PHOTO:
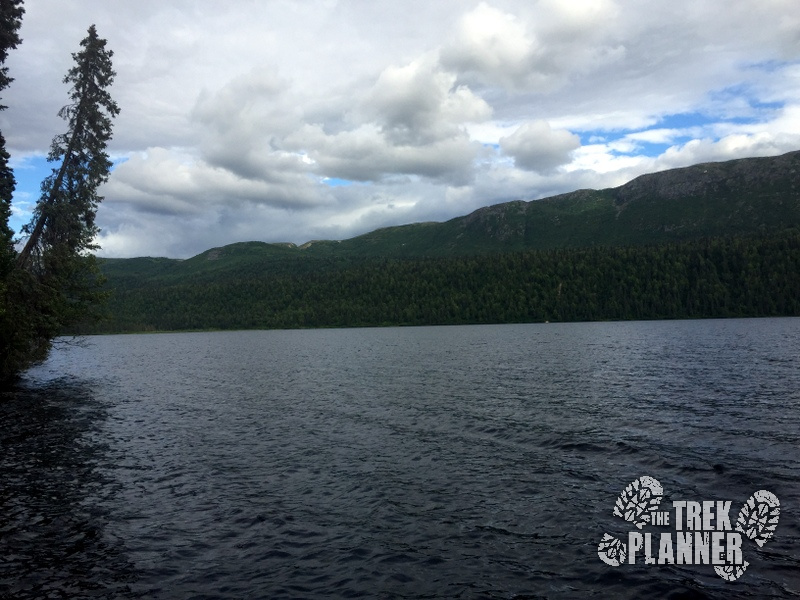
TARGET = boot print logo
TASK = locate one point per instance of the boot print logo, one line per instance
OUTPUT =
(703, 532)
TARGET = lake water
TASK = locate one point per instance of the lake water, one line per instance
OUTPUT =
(441, 462)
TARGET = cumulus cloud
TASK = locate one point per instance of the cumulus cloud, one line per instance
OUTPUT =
(497, 48)
(411, 121)
(367, 154)
(420, 103)
(535, 146)
(736, 145)
(242, 123)
(164, 181)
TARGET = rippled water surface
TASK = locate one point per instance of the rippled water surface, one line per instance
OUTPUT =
(442, 462)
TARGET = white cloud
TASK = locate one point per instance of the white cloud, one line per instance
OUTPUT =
(412, 121)
(420, 103)
(495, 47)
(732, 146)
(537, 147)
(538, 54)
(368, 154)
(171, 182)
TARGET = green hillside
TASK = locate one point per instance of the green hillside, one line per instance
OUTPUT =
(716, 239)
(713, 199)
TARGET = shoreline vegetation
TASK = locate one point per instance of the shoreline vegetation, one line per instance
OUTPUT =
(721, 277)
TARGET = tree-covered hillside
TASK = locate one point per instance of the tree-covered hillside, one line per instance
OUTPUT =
(712, 240)
(716, 277)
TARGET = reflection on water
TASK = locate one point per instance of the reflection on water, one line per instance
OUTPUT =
(52, 495)
(470, 462)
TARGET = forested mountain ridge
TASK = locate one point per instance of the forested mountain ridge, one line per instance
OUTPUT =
(715, 239)
(728, 198)
(737, 197)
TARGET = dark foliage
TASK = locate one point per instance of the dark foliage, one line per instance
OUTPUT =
(745, 276)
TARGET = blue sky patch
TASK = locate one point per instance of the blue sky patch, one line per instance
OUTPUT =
(29, 172)
(336, 182)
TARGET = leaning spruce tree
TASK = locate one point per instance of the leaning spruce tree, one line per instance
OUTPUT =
(64, 216)
(55, 282)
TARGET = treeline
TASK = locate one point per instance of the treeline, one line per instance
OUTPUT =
(721, 277)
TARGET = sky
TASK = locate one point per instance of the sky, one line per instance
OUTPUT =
(299, 120)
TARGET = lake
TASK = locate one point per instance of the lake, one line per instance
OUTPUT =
(431, 462)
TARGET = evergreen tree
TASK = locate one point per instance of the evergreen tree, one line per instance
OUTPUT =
(54, 281)
(64, 216)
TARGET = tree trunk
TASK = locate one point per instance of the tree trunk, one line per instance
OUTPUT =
(23, 259)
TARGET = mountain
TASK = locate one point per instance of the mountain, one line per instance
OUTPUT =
(752, 204)
(710, 199)
(734, 197)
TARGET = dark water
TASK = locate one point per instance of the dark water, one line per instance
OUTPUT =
(448, 462)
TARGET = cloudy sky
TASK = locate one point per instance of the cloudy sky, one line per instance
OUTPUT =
(294, 120)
